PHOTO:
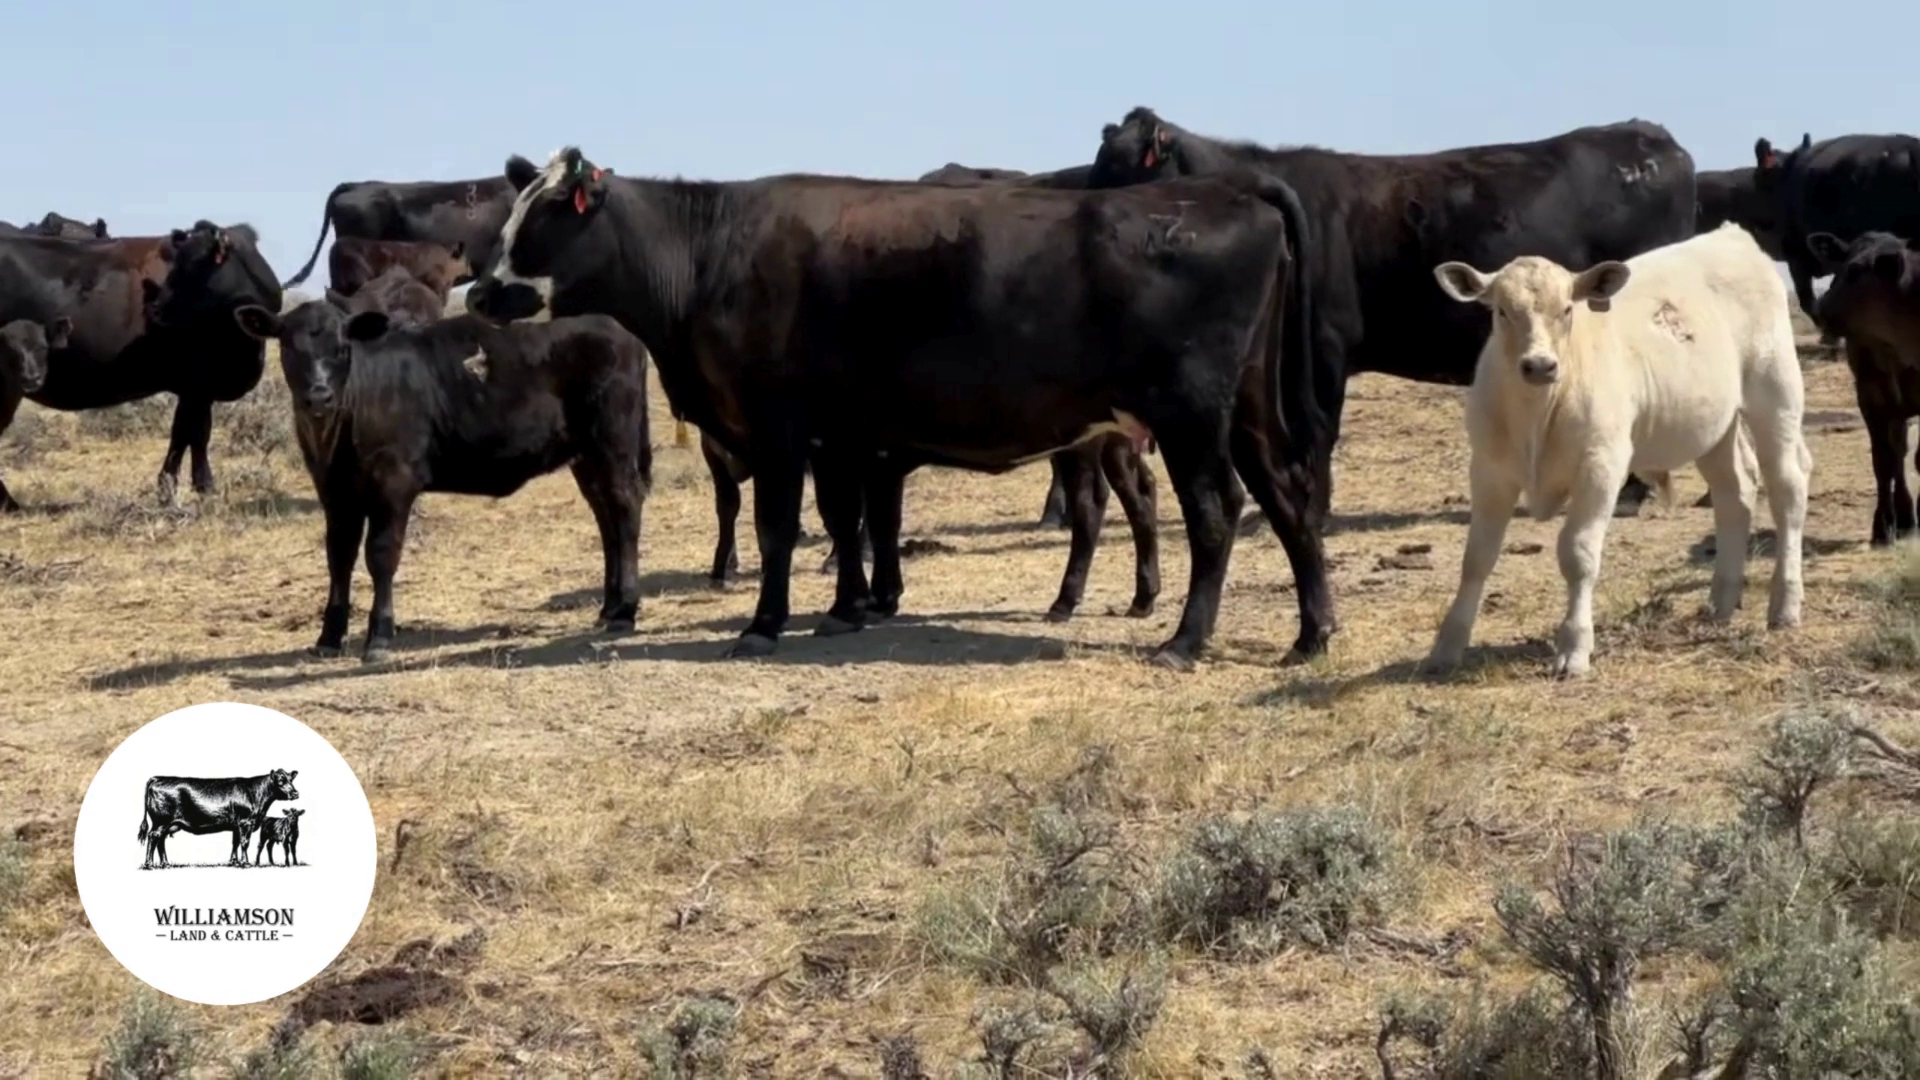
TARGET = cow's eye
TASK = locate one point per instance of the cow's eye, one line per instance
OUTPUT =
(1567, 314)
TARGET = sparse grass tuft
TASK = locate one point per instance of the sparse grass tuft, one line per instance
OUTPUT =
(1809, 748)
(259, 424)
(1893, 644)
(13, 873)
(1532, 1035)
(389, 1054)
(284, 1057)
(154, 1042)
(695, 1042)
(1251, 888)
(1113, 1010)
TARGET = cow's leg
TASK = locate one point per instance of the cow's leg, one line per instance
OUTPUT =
(1281, 490)
(1886, 443)
(1787, 464)
(265, 837)
(192, 428)
(1333, 399)
(837, 488)
(1210, 501)
(1582, 539)
(386, 536)
(779, 477)
(346, 523)
(726, 512)
(885, 492)
(1632, 495)
(1132, 481)
(1087, 512)
(1732, 524)
(1494, 496)
(1801, 269)
(1053, 514)
(613, 490)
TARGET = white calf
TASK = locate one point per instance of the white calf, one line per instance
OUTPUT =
(1639, 366)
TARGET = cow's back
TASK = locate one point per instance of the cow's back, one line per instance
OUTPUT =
(1695, 317)
(1854, 184)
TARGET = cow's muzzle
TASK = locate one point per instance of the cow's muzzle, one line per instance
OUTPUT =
(500, 302)
(1539, 370)
(32, 378)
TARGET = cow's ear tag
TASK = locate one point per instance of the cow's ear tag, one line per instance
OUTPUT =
(580, 199)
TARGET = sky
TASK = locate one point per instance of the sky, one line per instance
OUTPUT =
(156, 115)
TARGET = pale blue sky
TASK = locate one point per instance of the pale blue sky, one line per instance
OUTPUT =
(154, 114)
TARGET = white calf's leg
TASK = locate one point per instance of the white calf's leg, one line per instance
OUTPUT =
(1494, 496)
(1787, 465)
(1730, 481)
(1581, 540)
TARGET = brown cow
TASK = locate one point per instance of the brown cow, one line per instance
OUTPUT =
(354, 262)
(397, 293)
(1874, 303)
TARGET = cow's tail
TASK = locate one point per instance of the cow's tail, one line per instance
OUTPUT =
(326, 222)
(1295, 403)
(145, 820)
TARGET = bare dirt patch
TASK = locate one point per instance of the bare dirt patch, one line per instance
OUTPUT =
(674, 855)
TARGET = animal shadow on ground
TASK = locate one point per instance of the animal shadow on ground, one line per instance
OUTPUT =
(408, 639)
(1760, 545)
(652, 583)
(1323, 692)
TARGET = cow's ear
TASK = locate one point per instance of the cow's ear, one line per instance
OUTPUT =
(257, 321)
(1597, 284)
(1763, 153)
(521, 172)
(59, 331)
(1890, 265)
(367, 326)
(1462, 282)
(178, 236)
(1827, 249)
(100, 228)
(1108, 132)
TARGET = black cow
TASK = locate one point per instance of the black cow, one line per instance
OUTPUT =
(877, 326)
(1379, 224)
(24, 345)
(1725, 195)
(147, 315)
(1874, 303)
(353, 261)
(385, 412)
(464, 212)
(1845, 186)
(199, 806)
(59, 225)
(284, 831)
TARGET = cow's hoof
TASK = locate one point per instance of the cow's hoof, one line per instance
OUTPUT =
(1171, 660)
(749, 647)
(324, 651)
(168, 489)
(1059, 614)
(1140, 609)
(622, 624)
(883, 608)
(377, 653)
(834, 626)
(717, 584)
(8, 505)
(1570, 667)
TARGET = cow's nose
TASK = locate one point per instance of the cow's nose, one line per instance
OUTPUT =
(320, 397)
(1539, 369)
(32, 379)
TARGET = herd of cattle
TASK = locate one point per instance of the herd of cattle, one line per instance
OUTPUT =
(1616, 312)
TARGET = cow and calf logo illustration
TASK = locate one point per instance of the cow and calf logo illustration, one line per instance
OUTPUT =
(236, 804)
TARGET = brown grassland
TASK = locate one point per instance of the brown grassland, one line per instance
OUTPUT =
(634, 824)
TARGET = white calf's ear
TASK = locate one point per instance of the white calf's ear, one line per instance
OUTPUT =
(1597, 284)
(1462, 282)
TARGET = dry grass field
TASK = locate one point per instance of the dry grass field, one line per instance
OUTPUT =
(962, 829)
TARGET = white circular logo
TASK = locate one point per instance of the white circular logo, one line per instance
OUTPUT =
(225, 853)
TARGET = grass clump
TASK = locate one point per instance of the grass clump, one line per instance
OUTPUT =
(1893, 644)
(13, 873)
(384, 1055)
(1809, 749)
(1872, 867)
(153, 1042)
(1253, 887)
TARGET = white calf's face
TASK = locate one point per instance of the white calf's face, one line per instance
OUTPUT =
(1532, 301)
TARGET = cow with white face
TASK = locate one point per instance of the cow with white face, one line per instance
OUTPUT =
(1639, 366)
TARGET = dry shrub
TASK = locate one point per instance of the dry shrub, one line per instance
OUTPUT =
(1893, 643)
(387, 1054)
(1809, 748)
(1254, 887)
(695, 1042)
(153, 1042)
(1873, 869)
